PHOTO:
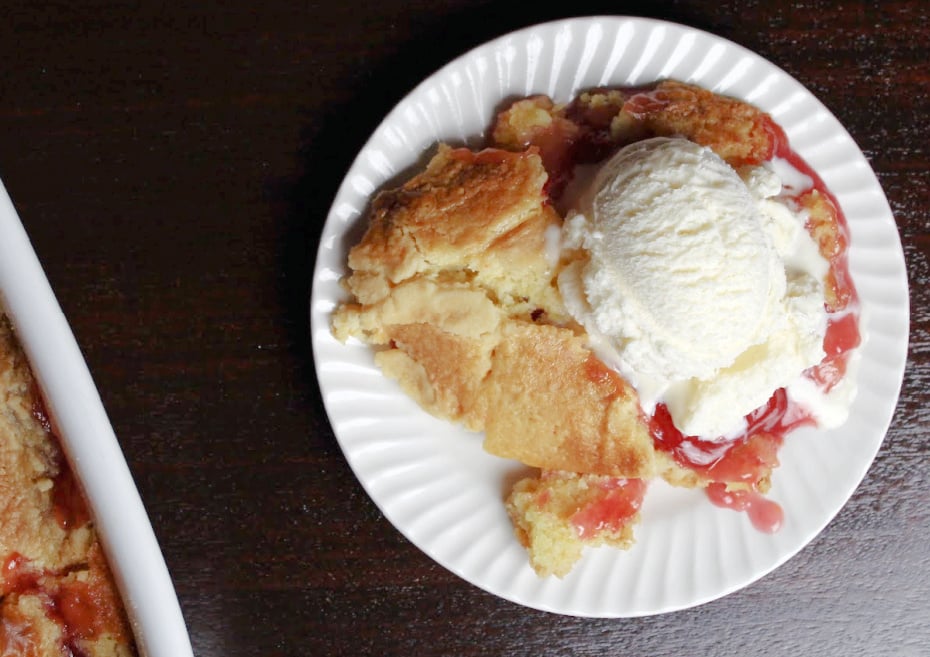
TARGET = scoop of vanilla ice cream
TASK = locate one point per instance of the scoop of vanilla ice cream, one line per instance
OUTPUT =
(694, 282)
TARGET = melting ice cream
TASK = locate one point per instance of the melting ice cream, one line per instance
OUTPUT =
(695, 281)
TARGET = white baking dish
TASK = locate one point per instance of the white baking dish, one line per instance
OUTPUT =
(90, 444)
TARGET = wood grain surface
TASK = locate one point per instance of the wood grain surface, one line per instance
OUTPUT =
(173, 164)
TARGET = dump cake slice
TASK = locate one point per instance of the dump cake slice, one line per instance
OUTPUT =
(456, 284)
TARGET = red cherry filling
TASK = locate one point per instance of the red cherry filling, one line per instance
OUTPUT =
(612, 509)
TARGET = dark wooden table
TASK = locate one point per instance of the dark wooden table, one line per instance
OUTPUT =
(174, 167)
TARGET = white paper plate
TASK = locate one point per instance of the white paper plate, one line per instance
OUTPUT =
(87, 438)
(433, 481)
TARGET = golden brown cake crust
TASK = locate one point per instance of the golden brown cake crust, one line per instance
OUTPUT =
(447, 218)
(738, 132)
(551, 404)
(471, 321)
(600, 120)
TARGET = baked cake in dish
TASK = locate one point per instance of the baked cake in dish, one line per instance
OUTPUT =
(57, 596)
(455, 285)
